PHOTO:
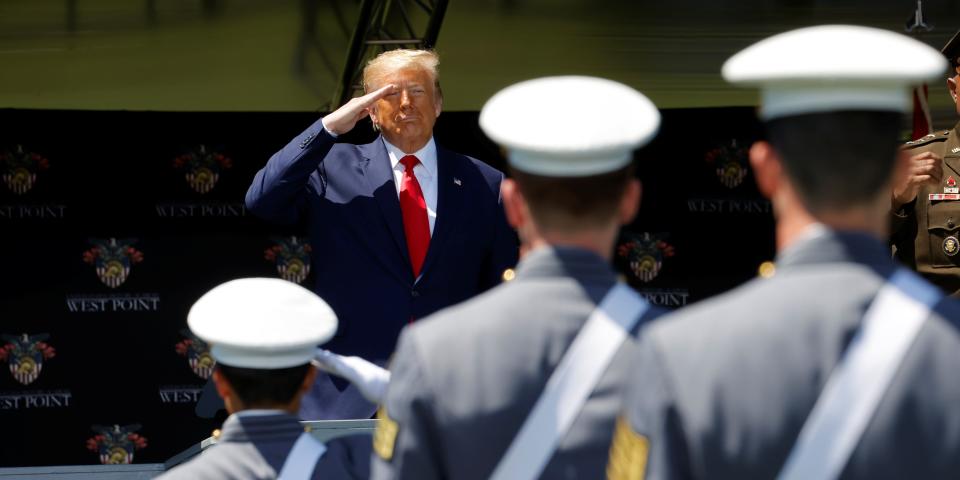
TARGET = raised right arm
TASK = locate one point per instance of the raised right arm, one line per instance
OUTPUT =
(278, 191)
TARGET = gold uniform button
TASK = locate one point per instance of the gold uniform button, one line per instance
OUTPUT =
(767, 270)
(509, 274)
(216, 434)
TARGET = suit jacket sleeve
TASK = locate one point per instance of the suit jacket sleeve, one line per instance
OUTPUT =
(280, 189)
(414, 444)
(505, 249)
(650, 429)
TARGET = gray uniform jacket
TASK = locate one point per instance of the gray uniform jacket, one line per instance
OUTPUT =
(721, 389)
(255, 447)
(465, 378)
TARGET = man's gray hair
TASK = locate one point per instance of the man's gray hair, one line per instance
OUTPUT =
(392, 61)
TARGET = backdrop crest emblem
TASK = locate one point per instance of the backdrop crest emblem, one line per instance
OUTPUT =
(198, 354)
(19, 169)
(113, 259)
(645, 253)
(202, 168)
(291, 257)
(730, 163)
(115, 445)
(25, 355)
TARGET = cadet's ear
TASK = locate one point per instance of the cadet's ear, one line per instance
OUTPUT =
(225, 390)
(220, 382)
(514, 205)
(952, 87)
(630, 202)
(767, 168)
(308, 379)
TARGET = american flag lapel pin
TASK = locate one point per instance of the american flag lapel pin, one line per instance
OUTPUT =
(457, 181)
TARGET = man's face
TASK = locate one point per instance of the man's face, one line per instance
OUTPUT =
(406, 116)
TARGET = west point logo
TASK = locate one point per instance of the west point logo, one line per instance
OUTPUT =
(644, 254)
(730, 163)
(19, 169)
(728, 206)
(671, 297)
(115, 445)
(35, 399)
(140, 302)
(32, 211)
(291, 257)
(112, 259)
(186, 210)
(198, 355)
(25, 355)
(180, 394)
(202, 168)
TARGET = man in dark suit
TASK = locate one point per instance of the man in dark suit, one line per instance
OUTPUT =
(399, 227)
(837, 363)
(263, 333)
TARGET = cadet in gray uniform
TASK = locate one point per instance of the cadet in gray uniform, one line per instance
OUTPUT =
(839, 364)
(263, 333)
(466, 380)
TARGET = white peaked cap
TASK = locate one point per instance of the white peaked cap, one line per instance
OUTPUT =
(569, 126)
(262, 323)
(834, 67)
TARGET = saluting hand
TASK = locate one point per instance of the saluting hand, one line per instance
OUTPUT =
(371, 379)
(346, 117)
(923, 168)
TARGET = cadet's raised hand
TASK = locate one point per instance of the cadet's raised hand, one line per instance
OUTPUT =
(926, 167)
(369, 378)
(343, 119)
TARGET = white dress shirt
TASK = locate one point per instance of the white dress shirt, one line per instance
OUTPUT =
(425, 171)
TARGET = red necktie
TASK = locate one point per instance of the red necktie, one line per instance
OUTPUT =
(414, 209)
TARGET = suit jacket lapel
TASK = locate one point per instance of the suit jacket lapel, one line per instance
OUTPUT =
(380, 181)
(449, 204)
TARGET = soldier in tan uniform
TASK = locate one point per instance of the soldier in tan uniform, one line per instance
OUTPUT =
(926, 204)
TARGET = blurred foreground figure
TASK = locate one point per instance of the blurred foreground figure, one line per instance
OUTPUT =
(263, 333)
(523, 381)
(839, 364)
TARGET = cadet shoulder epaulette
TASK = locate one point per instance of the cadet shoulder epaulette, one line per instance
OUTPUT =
(933, 137)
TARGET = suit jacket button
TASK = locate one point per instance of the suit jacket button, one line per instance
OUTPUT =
(414, 293)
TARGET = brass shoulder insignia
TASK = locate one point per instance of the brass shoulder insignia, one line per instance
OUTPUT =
(767, 270)
(927, 139)
(385, 437)
(628, 453)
